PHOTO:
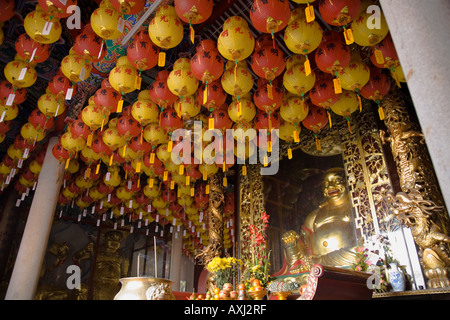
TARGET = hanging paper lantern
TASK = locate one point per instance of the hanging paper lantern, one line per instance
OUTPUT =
(40, 120)
(62, 86)
(237, 80)
(89, 46)
(194, 11)
(286, 131)
(6, 89)
(346, 105)
(222, 120)
(181, 80)
(268, 62)
(57, 7)
(207, 64)
(128, 127)
(75, 68)
(60, 153)
(159, 91)
(51, 105)
(128, 7)
(235, 42)
(123, 77)
(188, 107)
(113, 139)
(32, 134)
(316, 119)
(332, 54)
(142, 52)
(366, 34)
(79, 129)
(145, 112)
(7, 10)
(241, 111)
(339, 12)
(263, 121)
(94, 116)
(107, 22)
(5, 126)
(294, 110)
(154, 134)
(323, 94)
(166, 29)
(170, 121)
(107, 98)
(296, 81)
(8, 113)
(270, 16)
(384, 54)
(214, 97)
(302, 37)
(20, 74)
(268, 101)
(355, 75)
(28, 48)
(377, 88)
(42, 27)
(100, 147)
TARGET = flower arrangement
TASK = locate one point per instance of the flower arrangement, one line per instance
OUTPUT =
(258, 267)
(224, 269)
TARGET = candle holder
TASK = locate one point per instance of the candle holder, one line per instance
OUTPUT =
(145, 288)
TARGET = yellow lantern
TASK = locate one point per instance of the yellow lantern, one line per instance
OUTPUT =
(73, 167)
(397, 74)
(181, 81)
(208, 170)
(244, 131)
(123, 193)
(355, 76)
(145, 111)
(124, 77)
(107, 22)
(151, 191)
(346, 105)
(94, 117)
(302, 37)
(95, 194)
(286, 131)
(20, 74)
(166, 29)
(35, 167)
(242, 110)
(71, 143)
(14, 153)
(295, 59)
(237, 80)
(162, 153)
(366, 30)
(4, 169)
(235, 42)
(68, 194)
(90, 155)
(51, 105)
(42, 27)
(155, 135)
(296, 81)
(294, 110)
(30, 133)
(113, 139)
(2, 137)
(81, 204)
(8, 113)
(75, 68)
(112, 179)
(187, 107)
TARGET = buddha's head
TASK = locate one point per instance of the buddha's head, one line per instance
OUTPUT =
(334, 184)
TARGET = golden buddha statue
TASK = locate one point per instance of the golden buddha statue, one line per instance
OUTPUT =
(110, 266)
(329, 230)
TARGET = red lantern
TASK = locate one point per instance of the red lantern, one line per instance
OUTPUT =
(215, 95)
(60, 85)
(7, 8)
(107, 98)
(31, 50)
(40, 120)
(268, 62)
(194, 11)
(268, 102)
(90, 46)
(270, 16)
(386, 53)
(101, 148)
(323, 94)
(128, 127)
(159, 91)
(315, 121)
(168, 195)
(60, 153)
(21, 143)
(333, 54)
(79, 129)
(207, 63)
(229, 203)
(170, 120)
(142, 52)
(222, 120)
(378, 86)
(128, 7)
(6, 88)
(103, 188)
(339, 12)
(140, 146)
(201, 199)
(5, 126)
(266, 121)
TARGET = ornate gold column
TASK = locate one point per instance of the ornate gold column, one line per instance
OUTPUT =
(420, 205)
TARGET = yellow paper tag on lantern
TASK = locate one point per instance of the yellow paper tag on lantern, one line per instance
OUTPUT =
(348, 35)
(192, 33)
(265, 161)
(381, 112)
(97, 169)
(224, 167)
(310, 15)
(170, 146)
(207, 189)
(192, 191)
(211, 123)
(165, 175)
(318, 146)
(270, 91)
(111, 160)
(139, 183)
(181, 169)
(188, 180)
(119, 106)
(88, 172)
(296, 136)
(161, 59)
(269, 146)
(244, 170)
(337, 86)
(150, 183)
(89, 140)
(138, 167)
(67, 163)
(379, 56)
(137, 83)
(360, 103)
(205, 175)
(239, 108)
(205, 95)
(152, 157)
(225, 182)
(289, 153)
(307, 67)
(172, 185)
(124, 151)
(329, 119)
